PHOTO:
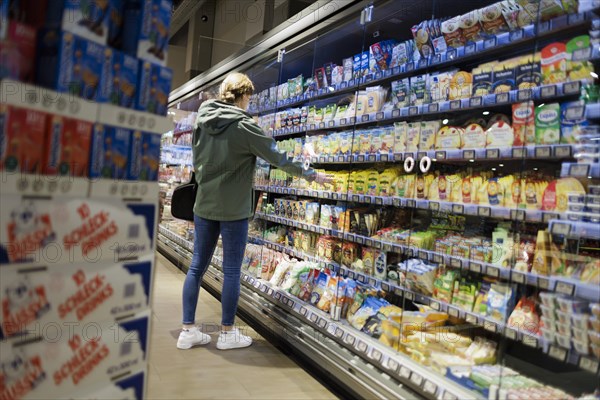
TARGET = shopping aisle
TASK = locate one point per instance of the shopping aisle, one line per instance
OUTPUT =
(258, 372)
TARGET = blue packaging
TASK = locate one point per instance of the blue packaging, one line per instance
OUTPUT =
(364, 63)
(68, 63)
(110, 152)
(120, 79)
(145, 156)
(153, 88)
(3, 19)
(573, 122)
(85, 18)
(146, 29)
(356, 72)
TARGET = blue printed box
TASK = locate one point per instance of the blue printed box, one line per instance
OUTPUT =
(120, 80)
(86, 18)
(146, 29)
(154, 88)
(110, 152)
(68, 63)
(145, 156)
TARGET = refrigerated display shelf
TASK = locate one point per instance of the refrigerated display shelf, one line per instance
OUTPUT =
(562, 285)
(546, 93)
(498, 45)
(585, 362)
(399, 365)
(496, 212)
(19, 94)
(576, 229)
(175, 238)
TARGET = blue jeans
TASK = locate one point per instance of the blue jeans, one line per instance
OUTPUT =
(234, 235)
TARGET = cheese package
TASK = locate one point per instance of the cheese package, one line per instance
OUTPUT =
(503, 79)
(482, 81)
(347, 64)
(387, 140)
(572, 122)
(453, 33)
(578, 70)
(557, 192)
(400, 93)
(439, 86)
(449, 137)
(547, 124)
(356, 71)
(400, 136)
(418, 90)
(554, 63)
(413, 136)
(362, 102)
(76, 229)
(471, 26)
(492, 19)
(500, 134)
(473, 137)
(529, 74)
(427, 136)
(375, 98)
(74, 357)
(461, 86)
(523, 116)
(75, 293)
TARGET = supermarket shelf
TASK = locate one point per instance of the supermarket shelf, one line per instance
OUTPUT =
(132, 119)
(576, 229)
(19, 94)
(592, 111)
(544, 93)
(48, 186)
(175, 238)
(585, 362)
(494, 46)
(557, 284)
(443, 206)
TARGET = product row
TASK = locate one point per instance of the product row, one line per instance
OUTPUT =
(39, 143)
(425, 335)
(506, 245)
(530, 125)
(534, 190)
(67, 52)
(556, 62)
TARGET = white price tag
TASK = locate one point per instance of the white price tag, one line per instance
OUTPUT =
(404, 372)
(430, 387)
(453, 312)
(416, 379)
(490, 326)
(392, 364)
(588, 364)
(565, 288)
(558, 353)
(435, 305)
(471, 319)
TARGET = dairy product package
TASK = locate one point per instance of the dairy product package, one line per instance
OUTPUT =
(72, 356)
(70, 230)
(33, 296)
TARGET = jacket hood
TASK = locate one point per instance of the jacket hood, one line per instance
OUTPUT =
(214, 116)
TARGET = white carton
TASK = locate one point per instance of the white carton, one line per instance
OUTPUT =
(68, 358)
(32, 297)
(68, 230)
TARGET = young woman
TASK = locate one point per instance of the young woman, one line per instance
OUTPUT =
(225, 146)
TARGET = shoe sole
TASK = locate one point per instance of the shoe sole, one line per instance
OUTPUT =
(187, 347)
(232, 347)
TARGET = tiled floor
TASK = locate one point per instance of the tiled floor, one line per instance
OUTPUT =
(258, 372)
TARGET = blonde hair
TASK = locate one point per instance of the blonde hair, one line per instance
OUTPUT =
(234, 86)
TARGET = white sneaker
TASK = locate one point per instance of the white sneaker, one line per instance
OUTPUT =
(233, 339)
(192, 337)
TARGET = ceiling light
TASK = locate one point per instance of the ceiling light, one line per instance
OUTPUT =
(486, 113)
(594, 75)
(445, 121)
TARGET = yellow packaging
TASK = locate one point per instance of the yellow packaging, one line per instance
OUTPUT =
(372, 183)
(360, 182)
(345, 143)
(448, 137)
(427, 136)
(386, 178)
(334, 144)
(555, 197)
(467, 194)
(413, 136)
(351, 182)
(341, 181)
(454, 187)
(365, 143)
(387, 140)
(400, 134)
(461, 86)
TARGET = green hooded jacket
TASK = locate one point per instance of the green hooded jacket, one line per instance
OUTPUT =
(225, 145)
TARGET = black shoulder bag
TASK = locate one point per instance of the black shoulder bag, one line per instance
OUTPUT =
(183, 199)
